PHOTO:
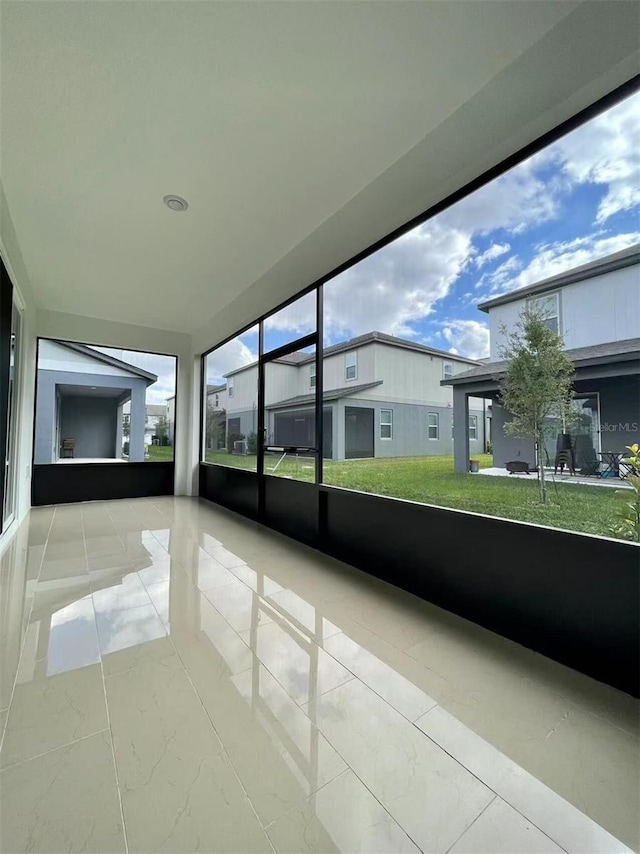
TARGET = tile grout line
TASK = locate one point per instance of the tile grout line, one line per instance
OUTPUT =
(222, 744)
(23, 638)
(106, 704)
(469, 826)
(503, 797)
(53, 749)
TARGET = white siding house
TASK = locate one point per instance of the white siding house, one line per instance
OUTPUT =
(596, 310)
(382, 397)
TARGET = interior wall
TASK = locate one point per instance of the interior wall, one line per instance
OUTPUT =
(25, 387)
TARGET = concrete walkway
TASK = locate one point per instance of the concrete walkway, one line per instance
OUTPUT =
(582, 480)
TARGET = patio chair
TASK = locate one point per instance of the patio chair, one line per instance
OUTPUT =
(67, 448)
(564, 458)
(590, 466)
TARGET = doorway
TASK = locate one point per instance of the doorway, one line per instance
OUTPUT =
(358, 432)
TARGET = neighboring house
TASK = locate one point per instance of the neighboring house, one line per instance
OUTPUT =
(382, 398)
(154, 413)
(81, 396)
(596, 310)
(170, 414)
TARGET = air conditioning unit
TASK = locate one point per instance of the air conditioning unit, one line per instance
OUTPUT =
(240, 447)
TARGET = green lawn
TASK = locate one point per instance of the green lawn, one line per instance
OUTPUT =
(431, 480)
(158, 453)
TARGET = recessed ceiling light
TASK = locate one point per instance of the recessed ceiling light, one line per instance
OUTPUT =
(176, 203)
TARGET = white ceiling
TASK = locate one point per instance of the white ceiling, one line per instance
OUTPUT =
(270, 118)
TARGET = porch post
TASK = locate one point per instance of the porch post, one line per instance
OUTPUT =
(119, 431)
(136, 427)
(460, 430)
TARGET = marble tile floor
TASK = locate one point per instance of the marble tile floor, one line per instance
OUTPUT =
(176, 679)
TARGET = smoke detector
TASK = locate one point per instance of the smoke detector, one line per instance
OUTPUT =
(176, 203)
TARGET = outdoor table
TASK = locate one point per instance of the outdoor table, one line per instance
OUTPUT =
(626, 468)
(611, 461)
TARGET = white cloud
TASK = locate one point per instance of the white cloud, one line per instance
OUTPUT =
(606, 152)
(397, 285)
(556, 258)
(467, 337)
(497, 278)
(164, 367)
(231, 356)
(490, 254)
(298, 318)
(515, 201)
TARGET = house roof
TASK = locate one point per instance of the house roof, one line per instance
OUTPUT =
(214, 389)
(108, 360)
(298, 358)
(625, 258)
(334, 394)
(614, 351)
(393, 341)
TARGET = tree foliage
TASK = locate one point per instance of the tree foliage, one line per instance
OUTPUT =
(536, 387)
(215, 426)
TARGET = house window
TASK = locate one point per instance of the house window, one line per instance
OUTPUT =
(312, 375)
(473, 426)
(548, 307)
(386, 423)
(433, 428)
(447, 370)
(351, 365)
(230, 386)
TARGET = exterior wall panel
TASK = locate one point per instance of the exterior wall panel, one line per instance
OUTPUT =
(334, 371)
(595, 311)
(410, 434)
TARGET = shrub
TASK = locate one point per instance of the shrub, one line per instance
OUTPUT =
(628, 527)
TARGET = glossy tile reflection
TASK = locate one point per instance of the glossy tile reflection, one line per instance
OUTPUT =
(175, 678)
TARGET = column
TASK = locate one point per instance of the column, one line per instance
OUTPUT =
(119, 432)
(460, 430)
(136, 429)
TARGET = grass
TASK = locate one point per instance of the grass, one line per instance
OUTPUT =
(431, 480)
(159, 454)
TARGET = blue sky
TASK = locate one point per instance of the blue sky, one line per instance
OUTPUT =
(576, 201)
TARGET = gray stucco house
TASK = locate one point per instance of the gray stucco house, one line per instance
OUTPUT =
(382, 398)
(596, 310)
(80, 396)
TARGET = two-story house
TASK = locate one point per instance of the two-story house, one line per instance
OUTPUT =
(596, 310)
(382, 397)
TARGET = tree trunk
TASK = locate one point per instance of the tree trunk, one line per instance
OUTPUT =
(541, 478)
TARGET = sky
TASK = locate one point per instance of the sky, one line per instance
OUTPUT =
(164, 367)
(575, 201)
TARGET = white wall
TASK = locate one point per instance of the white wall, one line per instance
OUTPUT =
(596, 311)
(334, 371)
(27, 367)
(57, 357)
(411, 377)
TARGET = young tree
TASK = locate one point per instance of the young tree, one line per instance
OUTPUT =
(537, 384)
(214, 427)
(162, 430)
